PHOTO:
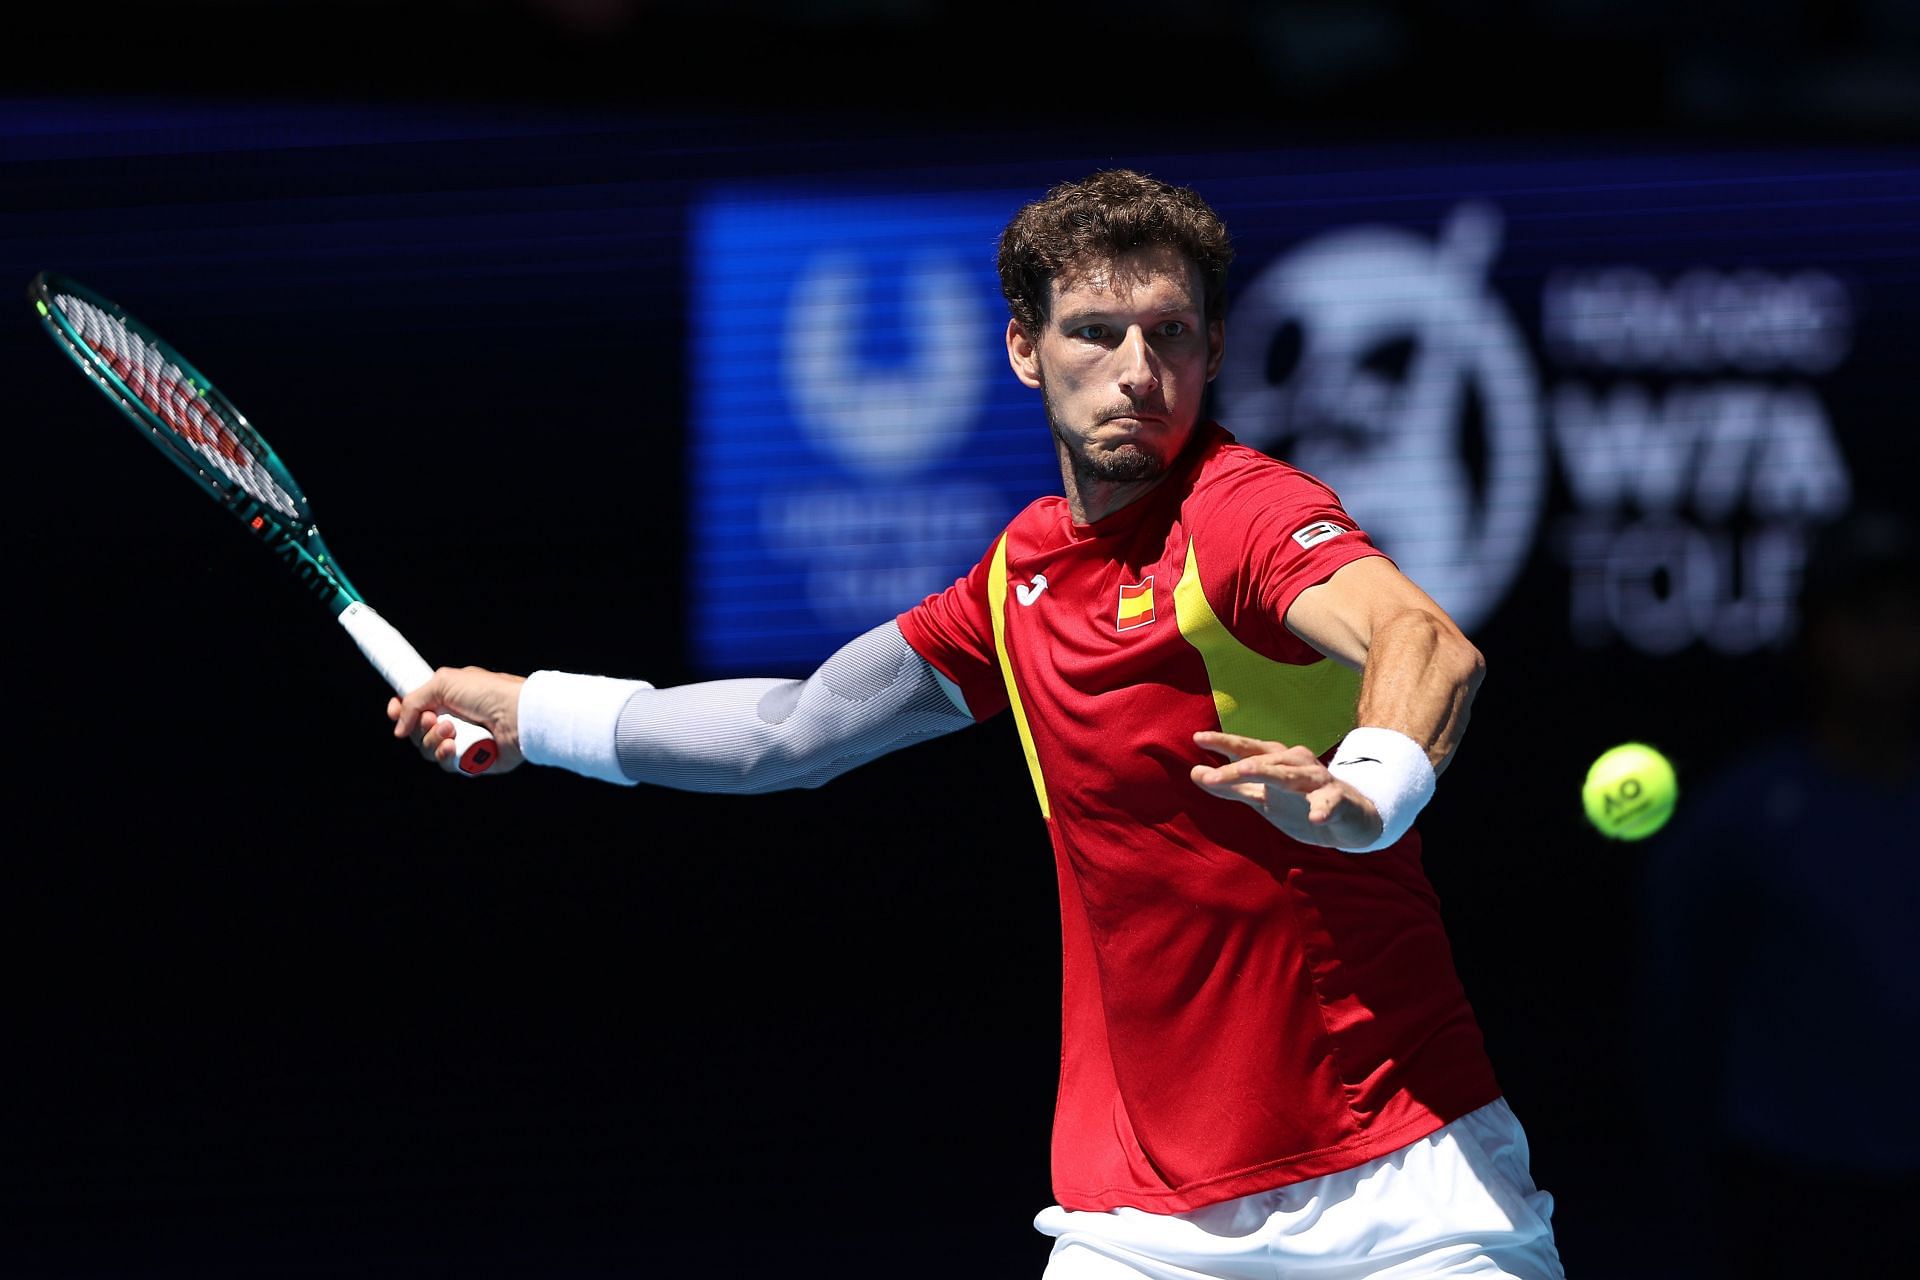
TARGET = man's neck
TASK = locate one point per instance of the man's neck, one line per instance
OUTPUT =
(1093, 500)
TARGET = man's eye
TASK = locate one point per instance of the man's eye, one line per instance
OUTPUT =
(1091, 332)
(1173, 328)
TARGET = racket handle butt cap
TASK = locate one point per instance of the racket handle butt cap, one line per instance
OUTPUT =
(474, 749)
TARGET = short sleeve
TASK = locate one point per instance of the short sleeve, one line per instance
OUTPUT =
(953, 630)
(1298, 544)
(1269, 534)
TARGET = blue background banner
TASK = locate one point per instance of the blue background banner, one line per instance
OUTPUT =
(856, 440)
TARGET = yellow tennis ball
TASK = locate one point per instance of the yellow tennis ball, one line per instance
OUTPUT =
(1630, 791)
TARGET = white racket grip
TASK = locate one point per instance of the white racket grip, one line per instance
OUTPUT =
(405, 670)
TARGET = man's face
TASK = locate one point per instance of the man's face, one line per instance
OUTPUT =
(1123, 362)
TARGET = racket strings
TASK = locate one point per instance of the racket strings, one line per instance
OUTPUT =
(169, 392)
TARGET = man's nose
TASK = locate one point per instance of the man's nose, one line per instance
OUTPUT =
(1137, 375)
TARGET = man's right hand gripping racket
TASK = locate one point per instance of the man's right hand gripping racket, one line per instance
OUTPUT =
(184, 415)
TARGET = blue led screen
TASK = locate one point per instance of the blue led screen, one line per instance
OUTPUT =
(1626, 388)
(857, 438)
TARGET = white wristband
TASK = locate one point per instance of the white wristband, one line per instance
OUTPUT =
(568, 720)
(1390, 769)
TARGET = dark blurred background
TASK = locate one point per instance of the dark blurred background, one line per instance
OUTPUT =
(283, 1001)
(1771, 66)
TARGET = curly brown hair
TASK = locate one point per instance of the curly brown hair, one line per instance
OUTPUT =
(1084, 224)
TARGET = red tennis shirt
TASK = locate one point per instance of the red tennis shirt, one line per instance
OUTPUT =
(1239, 1010)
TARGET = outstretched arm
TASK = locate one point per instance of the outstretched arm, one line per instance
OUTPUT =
(1419, 674)
(873, 696)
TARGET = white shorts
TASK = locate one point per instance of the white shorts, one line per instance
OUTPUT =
(1459, 1202)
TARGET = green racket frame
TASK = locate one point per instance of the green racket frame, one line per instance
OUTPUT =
(286, 528)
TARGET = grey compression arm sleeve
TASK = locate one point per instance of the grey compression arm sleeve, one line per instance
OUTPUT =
(873, 696)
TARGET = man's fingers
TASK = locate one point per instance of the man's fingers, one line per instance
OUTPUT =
(1322, 801)
(1236, 746)
(430, 731)
(416, 712)
(1290, 787)
(1253, 793)
(407, 711)
(1281, 806)
(1292, 775)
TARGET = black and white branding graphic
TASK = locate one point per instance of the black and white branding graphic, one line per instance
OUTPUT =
(1683, 409)
(1697, 451)
(1379, 360)
(1317, 532)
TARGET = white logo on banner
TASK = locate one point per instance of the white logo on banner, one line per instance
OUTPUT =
(1697, 458)
(885, 537)
(1380, 362)
(884, 418)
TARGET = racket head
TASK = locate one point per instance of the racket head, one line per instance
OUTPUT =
(176, 406)
(196, 427)
(183, 414)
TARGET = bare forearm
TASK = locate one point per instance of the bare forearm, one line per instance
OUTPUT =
(1419, 679)
(1418, 675)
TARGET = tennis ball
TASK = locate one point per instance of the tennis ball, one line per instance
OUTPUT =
(1630, 791)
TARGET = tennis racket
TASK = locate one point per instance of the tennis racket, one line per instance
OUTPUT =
(198, 429)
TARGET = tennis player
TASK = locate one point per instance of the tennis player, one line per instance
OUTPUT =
(1233, 706)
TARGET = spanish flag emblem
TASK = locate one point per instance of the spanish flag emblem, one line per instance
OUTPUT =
(1136, 605)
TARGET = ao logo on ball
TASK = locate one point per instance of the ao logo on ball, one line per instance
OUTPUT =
(1630, 791)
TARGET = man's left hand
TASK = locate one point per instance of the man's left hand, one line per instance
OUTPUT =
(1291, 787)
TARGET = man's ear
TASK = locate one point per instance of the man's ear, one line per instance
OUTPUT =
(1023, 355)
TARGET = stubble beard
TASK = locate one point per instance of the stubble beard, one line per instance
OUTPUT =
(1127, 464)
